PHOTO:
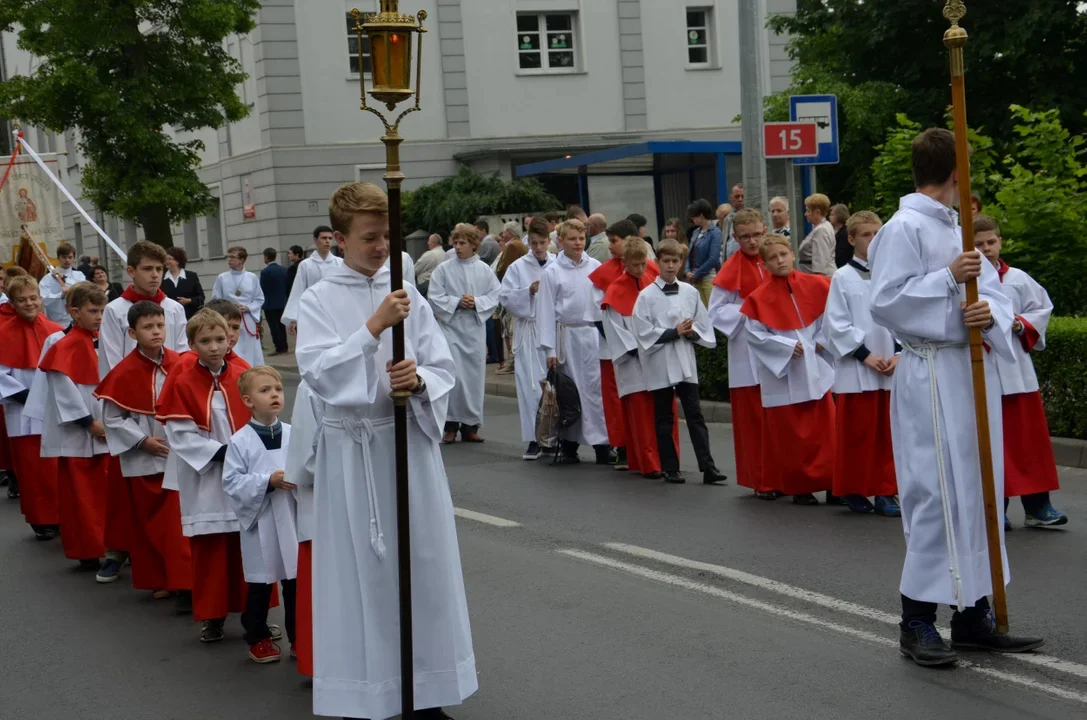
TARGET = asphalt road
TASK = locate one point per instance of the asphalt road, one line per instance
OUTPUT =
(593, 594)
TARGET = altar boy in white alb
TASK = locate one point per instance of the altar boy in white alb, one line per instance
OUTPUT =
(520, 287)
(464, 293)
(242, 288)
(918, 269)
(264, 501)
(310, 272)
(345, 356)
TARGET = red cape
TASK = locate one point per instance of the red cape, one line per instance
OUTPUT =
(623, 292)
(187, 394)
(772, 305)
(21, 343)
(613, 269)
(74, 355)
(134, 297)
(130, 385)
(742, 273)
(189, 358)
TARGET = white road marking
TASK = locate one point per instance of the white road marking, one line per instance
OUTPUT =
(481, 517)
(684, 583)
(826, 601)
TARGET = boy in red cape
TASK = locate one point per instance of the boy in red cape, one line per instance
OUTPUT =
(160, 552)
(146, 264)
(202, 408)
(73, 430)
(7, 469)
(784, 325)
(622, 342)
(602, 278)
(24, 328)
(740, 276)
(1030, 471)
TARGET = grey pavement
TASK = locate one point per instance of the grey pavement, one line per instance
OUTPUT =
(611, 597)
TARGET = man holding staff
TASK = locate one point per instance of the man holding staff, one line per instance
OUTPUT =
(918, 272)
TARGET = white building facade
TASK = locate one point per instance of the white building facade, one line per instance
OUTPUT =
(504, 83)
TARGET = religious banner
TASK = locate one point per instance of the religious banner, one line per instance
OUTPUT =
(28, 197)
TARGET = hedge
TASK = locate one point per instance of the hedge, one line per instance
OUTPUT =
(1061, 367)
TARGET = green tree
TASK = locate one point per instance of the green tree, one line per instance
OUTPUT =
(122, 73)
(438, 207)
(888, 56)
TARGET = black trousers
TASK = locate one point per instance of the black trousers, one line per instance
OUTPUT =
(460, 427)
(926, 612)
(696, 426)
(277, 328)
(494, 342)
(255, 617)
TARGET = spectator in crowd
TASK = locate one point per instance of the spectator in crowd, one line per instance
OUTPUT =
(975, 205)
(429, 260)
(100, 277)
(488, 248)
(85, 266)
(598, 238)
(273, 282)
(779, 216)
(843, 251)
(513, 251)
(736, 197)
(816, 251)
(573, 212)
(705, 256)
(525, 222)
(295, 253)
(181, 286)
(510, 231)
(674, 230)
(729, 245)
(641, 222)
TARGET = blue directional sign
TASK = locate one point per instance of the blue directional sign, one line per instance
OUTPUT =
(823, 111)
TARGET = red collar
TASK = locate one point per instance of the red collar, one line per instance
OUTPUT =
(742, 273)
(74, 355)
(612, 270)
(187, 394)
(130, 385)
(22, 341)
(1002, 269)
(772, 302)
(134, 297)
(622, 294)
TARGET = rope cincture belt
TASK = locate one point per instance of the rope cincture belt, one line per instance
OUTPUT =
(927, 352)
(361, 431)
(560, 338)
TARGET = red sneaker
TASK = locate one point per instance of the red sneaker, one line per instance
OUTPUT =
(265, 651)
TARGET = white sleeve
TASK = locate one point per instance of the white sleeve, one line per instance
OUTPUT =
(9, 384)
(1037, 308)
(703, 328)
(248, 492)
(290, 314)
(621, 339)
(545, 315)
(218, 291)
(257, 302)
(514, 294)
(189, 445)
(434, 365)
(49, 288)
(772, 350)
(725, 312)
(123, 433)
(69, 400)
(111, 349)
(488, 300)
(842, 337)
(343, 373)
(442, 299)
(301, 454)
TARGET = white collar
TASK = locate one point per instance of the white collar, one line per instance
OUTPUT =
(180, 274)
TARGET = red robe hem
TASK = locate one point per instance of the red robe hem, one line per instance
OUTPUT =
(161, 559)
(82, 491)
(864, 459)
(120, 522)
(218, 580)
(613, 406)
(797, 452)
(642, 451)
(303, 610)
(747, 436)
(1029, 466)
(37, 480)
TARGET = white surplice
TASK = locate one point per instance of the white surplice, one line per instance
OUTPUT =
(355, 600)
(530, 364)
(1030, 302)
(243, 288)
(783, 379)
(310, 272)
(915, 296)
(623, 349)
(301, 457)
(848, 324)
(465, 330)
(567, 310)
(671, 363)
(66, 402)
(12, 382)
(53, 301)
(125, 430)
(205, 507)
(724, 312)
(34, 409)
(114, 343)
(269, 540)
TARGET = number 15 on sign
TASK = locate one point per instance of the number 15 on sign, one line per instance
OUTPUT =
(789, 140)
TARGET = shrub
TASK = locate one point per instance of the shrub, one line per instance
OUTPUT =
(1062, 377)
(713, 370)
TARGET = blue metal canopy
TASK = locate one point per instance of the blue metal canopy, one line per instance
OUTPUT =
(652, 147)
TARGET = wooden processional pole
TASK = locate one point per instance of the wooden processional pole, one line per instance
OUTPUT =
(955, 38)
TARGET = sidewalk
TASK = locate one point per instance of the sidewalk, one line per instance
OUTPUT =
(1067, 452)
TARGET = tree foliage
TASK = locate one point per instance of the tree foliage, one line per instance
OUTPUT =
(122, 73)
(438, 207)
(882, 57)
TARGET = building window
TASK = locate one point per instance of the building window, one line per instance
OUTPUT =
(357, 57)
(699, 50)
(546, 42)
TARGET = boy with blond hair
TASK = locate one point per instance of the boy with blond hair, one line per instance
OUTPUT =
(865, 356)
(345, 357)
(264, 502)
(1030, 471)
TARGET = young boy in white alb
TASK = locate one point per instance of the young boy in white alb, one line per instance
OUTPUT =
(1030, 471)
(264, 501)
(242, 288)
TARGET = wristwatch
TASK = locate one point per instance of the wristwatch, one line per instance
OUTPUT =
(421, 387)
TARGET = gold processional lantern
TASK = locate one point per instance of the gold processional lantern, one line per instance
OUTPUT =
(390, 35)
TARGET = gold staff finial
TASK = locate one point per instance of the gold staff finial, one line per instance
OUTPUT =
(954, 36)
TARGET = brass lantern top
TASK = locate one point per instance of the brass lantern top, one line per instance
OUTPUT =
(390, 34)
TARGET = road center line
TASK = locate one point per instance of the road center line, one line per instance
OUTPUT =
(483, 518)
(826, 601)
(684, 583)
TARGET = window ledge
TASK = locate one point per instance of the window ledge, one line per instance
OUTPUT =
(548, 73)
(354, 77)
(698, 68)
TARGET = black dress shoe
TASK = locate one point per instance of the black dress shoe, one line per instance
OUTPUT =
(653, 475)
(713, 475)
(432, 714)
(605, 455)
(805, 499)
(13, 488)
(981, 634)
(922, 644)
(675, 478)
(833, 499)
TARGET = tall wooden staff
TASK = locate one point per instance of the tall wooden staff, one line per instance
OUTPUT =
(955, 38)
